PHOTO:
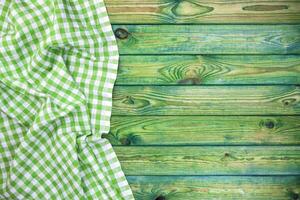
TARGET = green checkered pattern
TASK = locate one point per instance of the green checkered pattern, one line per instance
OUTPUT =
(58, 65)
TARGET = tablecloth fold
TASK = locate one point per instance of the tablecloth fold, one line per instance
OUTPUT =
(58, 65)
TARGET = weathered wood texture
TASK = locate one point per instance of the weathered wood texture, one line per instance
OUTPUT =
(208, 39)
(212, 187)
(212, 110)
(203, 11)
(204, 130)
(209, 69)
(206, 100)
(209, 160)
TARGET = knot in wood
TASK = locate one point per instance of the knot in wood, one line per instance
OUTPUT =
(226, 154)
(121, 33)
(160, 197)
(269, 124)
(129, 100)
(295, 196)
(289, 101)
(192, 81)
(125, 141)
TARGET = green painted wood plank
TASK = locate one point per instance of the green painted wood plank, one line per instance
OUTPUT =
(209, 160)
(208, 39)
(203, 11)
(204, 130)
(215, 187)
(209, 69)
(206, 100)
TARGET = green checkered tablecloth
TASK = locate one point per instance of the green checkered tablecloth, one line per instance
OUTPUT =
(58, 65)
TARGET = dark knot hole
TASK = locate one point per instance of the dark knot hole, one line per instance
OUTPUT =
(226, 154)
(270, 124)
(121, 33)
(295, 196)
(160, 197)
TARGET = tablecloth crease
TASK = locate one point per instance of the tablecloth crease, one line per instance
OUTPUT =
(58, 65)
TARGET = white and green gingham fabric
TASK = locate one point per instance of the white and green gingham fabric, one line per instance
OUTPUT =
(58, 65)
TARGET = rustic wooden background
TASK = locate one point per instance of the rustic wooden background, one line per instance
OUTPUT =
(207, 102)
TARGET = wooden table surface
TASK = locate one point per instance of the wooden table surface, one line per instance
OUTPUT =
(207, 102)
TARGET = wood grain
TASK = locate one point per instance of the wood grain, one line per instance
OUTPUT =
(208, 39)
(209, 160)
(206, 100)
(204, 130)
(203, 11)
(209, 69)
(178, 104)
(215, 187)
